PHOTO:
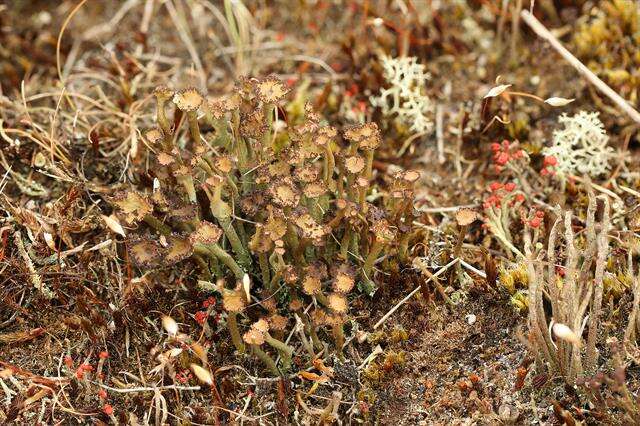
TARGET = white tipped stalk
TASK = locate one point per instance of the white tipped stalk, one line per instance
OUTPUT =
(565, 333)
(497, 91)
(173, 352)
(246, 285)
(170, 325)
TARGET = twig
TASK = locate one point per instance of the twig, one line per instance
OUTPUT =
(445, 209)
(59, 41)
(99, 30)
(544, 33)
(313, 60)
(407, 143)
(473, 269)
(184, 35)
(629, 190)
(376, 351)
(410, 295)
(147, 389)
(514, 29)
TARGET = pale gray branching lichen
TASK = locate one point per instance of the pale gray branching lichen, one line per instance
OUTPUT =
(580, 147)
(405, 97)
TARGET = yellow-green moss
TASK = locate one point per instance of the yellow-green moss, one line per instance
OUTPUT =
(514, 278)
(615, 285)
(397, 335)
(378, 370)
(607, 40)
(520, 301)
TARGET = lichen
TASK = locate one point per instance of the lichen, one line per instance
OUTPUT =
(580, 146)
(405, 97)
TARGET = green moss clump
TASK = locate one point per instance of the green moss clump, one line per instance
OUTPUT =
(398, 335)
(393, 361)
(395, 336)
(616, 284)
(514, 278)
(607, 40)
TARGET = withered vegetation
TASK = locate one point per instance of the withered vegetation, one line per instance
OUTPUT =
(321, 212)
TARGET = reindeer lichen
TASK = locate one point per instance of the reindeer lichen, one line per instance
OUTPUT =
(580, 146)
(405, 96)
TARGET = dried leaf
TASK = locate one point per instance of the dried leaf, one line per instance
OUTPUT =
(21, 336)
(307, 375)
(246, 285)
(37, 397)
(318, 363)
(113, 224)
(521, 375)
(173, 352)
(48, 238)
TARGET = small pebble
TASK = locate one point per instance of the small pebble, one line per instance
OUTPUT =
(471, 319)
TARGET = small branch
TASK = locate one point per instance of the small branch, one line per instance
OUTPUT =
(148, 389)
(473, 269)
(525, 95)
(446, 209)
(544, 33)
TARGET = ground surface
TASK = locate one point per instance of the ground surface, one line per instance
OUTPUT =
(463, 362)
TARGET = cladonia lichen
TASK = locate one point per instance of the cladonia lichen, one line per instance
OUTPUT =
(405, 96)
(580, 147)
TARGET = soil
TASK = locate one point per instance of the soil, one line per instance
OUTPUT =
(454, 354)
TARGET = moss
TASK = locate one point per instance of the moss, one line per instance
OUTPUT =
(519, 127)
(367, 395)
(373, 373)
(393, 361)
(398, 335)
(615, 285)
(514, 278)
(607, 40)
(395, 336)
(377, 337)
(520, 301)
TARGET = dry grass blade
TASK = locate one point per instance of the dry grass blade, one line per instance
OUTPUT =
(543, 32)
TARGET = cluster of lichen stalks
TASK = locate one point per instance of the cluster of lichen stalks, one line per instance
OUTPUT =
(245, 194)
